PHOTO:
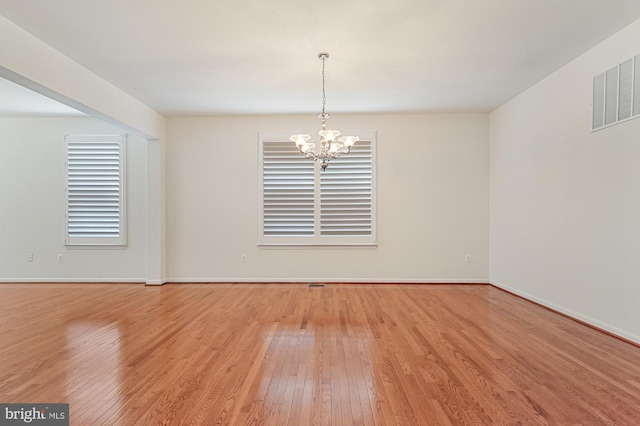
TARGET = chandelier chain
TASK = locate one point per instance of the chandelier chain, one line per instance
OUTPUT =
(324, 96)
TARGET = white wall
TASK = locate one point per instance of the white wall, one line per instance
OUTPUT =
(30, 62)
(432, 201)
(32, 176)
(565, 202)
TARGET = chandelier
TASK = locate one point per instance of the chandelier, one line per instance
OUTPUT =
(330, 145)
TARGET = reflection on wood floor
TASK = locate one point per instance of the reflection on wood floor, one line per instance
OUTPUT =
(278, 354)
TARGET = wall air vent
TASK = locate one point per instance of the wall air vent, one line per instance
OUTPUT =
(616, 94)
(625, 89)
(636, 87)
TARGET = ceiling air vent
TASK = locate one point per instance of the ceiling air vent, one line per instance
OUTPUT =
(616, 94)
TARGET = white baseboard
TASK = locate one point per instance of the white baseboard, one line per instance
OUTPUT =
(250, 280)
(595, 323)
(72, 280)
(331, 280)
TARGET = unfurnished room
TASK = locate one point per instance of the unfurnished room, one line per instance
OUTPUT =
(277, 212)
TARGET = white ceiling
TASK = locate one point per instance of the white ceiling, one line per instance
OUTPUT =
(201, 57)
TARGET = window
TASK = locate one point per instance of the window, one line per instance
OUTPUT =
(301, 205)
(95, 190)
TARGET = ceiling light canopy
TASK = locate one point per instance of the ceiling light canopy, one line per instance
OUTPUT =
(331, 146)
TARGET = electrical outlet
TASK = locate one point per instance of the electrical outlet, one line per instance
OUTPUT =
(467, 258)
(30, 257)
(243, 257)
(59, 258)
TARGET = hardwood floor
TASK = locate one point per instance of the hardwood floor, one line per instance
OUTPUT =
(278, 354)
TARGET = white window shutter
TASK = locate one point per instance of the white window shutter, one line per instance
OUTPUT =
(288, 191)
(95, 191)
(346, 194)
(301, 205)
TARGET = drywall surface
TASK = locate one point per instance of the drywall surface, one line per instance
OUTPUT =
(32, 63)
(565, 201)
(432, 201)
(32, 217)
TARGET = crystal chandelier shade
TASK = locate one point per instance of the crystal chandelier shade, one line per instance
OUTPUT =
(331, 145)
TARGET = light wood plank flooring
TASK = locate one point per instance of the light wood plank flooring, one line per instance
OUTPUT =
(286, 354)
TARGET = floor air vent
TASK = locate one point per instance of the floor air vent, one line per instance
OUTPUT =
(316, 285)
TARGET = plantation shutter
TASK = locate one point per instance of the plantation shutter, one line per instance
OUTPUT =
(302, 205)
(95, 190)
(346, 194)
(288, 191)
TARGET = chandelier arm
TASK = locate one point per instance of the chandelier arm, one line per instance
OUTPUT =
(309, 154)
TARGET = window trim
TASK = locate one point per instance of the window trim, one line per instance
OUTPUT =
(99, 242)
(316, 240)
